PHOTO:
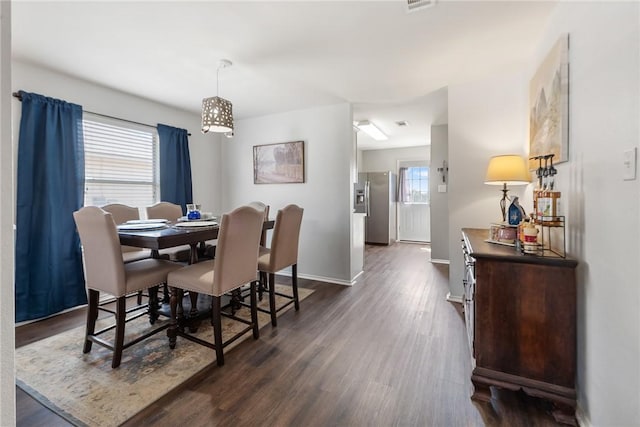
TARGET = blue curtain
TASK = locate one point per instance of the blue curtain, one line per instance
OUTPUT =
(48, 265)
(175, 166)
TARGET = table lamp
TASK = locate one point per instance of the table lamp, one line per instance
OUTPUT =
(506, 170)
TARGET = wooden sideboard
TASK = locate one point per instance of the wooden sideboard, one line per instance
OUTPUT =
(520, 312)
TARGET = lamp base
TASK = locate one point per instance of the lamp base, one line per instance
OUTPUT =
(503, 202)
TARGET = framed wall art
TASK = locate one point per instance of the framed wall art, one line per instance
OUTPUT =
(549, 106)
(278, 163)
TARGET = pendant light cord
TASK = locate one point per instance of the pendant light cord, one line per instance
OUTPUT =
(218, 81)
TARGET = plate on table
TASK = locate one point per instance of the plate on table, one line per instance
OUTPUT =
(185, 219)
(148, 221)
(141, 226)
(189, 224)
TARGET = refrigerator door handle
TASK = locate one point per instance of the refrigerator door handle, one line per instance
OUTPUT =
(366, 198)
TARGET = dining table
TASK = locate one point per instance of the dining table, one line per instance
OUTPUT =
(161, 235)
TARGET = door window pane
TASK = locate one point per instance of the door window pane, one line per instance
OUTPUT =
(418, 184)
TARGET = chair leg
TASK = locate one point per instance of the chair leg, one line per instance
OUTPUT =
(165, 298)
(294, 285)
(92, 316)
(216, 321)
(254, 310)
(272, 298)
(139, 298)
(172, 332)
(121, 314)
(262, 286)
(153, 304)
(236, 299)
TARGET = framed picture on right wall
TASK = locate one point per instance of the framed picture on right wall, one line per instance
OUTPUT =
(549, 105)
(278, 163)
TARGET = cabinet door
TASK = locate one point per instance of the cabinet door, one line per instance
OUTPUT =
(469, 305)
(469, 283)
(525, 320)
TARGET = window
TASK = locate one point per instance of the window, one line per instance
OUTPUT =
(121, 163)
(414, 182)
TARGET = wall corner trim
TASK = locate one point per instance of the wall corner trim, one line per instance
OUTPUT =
(454, 298)
(582, 417)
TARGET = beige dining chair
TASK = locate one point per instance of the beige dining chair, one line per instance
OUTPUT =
(171, 212)
(235, 265)
(210, 248)
(264, 208)
(105, 271)
(121, 214)
(282, 254)
(242, 293)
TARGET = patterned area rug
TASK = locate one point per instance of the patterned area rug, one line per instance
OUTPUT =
(84, 389)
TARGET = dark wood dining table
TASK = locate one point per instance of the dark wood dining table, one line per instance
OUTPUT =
(171, 236)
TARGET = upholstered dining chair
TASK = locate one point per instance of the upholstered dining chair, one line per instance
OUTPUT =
(165, 210)
(211, 244)
(171, 212)
(235, 265)
(263, 242)
(282, 254)
(121, 214)
(105, 271)
(265, 208)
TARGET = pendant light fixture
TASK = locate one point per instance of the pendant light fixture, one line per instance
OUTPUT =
(217, 115)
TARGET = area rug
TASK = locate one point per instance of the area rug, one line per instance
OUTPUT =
(83, 389)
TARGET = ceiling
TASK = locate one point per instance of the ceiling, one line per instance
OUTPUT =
(390, 64)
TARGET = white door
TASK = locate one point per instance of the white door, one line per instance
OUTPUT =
(414, 213)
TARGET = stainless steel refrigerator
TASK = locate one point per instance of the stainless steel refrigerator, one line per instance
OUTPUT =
(375, 196)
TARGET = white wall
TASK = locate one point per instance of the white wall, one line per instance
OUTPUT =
(387, 160)
(439, 201)
(327, 132)
(7, 312)
(603, 210)
(603, 214)
(204, 149)
(486, 118)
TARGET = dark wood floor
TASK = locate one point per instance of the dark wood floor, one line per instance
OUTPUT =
(388, 351)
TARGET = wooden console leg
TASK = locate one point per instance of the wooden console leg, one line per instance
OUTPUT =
(564, 414)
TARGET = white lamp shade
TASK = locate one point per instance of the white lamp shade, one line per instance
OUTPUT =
(508, 169)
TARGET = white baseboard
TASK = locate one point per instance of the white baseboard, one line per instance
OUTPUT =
(583, 419)
(26, 322)
(454, 298)
(415, 242)
(317, 278)
(353, 281)
(440, 261)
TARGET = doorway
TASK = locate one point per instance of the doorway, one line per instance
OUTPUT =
(414, 212)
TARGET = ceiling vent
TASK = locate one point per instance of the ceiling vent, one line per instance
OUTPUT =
(402, 123)
(413, 5)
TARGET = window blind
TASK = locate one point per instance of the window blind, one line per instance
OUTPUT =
(121, 162)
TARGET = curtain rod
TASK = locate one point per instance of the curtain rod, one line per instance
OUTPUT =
(17, 95)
